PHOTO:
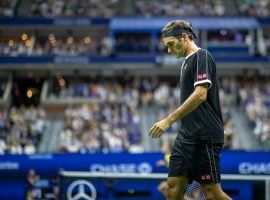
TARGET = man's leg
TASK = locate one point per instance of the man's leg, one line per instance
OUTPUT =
(176, 187)
(214, 191)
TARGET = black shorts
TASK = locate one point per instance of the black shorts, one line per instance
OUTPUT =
(196, 161)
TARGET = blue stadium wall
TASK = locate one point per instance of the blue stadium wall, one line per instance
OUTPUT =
(14, 170)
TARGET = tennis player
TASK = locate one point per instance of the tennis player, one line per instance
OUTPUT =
(197, 147)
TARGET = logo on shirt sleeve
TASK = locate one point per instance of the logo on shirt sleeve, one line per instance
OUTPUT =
(202, 76)
(206, 177)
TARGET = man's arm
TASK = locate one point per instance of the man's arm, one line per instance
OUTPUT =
(193, 101)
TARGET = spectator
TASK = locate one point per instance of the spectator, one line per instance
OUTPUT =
(3, 147)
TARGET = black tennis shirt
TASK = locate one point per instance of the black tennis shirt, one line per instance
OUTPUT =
(206, 120)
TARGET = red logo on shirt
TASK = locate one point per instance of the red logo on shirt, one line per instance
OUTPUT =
(206, 177)
(202, 76)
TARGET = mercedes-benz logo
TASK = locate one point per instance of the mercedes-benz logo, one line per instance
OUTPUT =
(77, 190)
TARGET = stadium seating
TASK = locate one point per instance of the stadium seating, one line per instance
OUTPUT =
(22, 130)
(82, 81)
(107, 9)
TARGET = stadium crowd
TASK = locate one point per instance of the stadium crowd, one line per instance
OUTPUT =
(254, 8)
(255, 100)
(180, 8)
(111, 8)
(228, 97)
(72, 45)
(67, 46)
(111, 123)
(26, 44)
(22, 129)
(7, 8)
(103, 128)
(52, 45)
(74, 8)
(161, 95)
(87, 128)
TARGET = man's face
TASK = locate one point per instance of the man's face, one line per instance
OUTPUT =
(176, 46)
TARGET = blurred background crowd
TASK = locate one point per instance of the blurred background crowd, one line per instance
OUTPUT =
(111, 123)
(83, 77)
(112, 8)
(115, 111)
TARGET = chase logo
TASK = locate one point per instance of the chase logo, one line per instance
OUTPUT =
(142, 168)
(254, 168)
(7, 165)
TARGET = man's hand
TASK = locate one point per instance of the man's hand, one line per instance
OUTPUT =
(160, 127)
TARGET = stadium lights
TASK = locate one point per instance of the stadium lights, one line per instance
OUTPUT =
(29, 93)
(24, 36)
(28, 43)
